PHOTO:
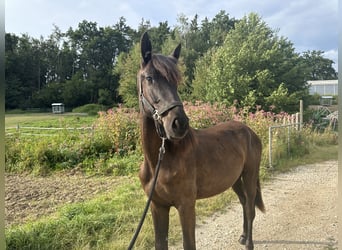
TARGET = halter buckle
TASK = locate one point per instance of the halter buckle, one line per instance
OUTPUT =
(156, 116)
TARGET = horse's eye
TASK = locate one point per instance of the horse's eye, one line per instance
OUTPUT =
(149, 78)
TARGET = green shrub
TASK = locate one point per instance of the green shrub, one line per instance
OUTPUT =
(15, 111)
(90, 109)
(120, 127)
(116, 136)
(203, 115)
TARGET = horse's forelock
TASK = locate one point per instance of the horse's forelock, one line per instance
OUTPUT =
(167, 67)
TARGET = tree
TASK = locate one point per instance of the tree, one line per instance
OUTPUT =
(172, 41)
(318, 67)
(77, 91)
(127, 68)
(157, 34)
(250, 65)
(97, 51)
(24, 70)
(197, 39)
(220, 25)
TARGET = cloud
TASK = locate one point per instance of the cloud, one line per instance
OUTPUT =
(332, 55)
(310, 25)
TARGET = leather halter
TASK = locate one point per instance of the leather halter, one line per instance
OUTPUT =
(157, 114)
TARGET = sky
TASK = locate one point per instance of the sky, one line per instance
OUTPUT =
(308, 24)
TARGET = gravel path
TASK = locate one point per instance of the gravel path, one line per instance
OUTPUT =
(301, 213)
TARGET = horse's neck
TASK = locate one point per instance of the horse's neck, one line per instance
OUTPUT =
(150, 139)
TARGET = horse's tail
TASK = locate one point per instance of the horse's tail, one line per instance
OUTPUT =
(258, 198)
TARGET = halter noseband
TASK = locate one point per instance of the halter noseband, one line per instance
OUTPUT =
(157, 114)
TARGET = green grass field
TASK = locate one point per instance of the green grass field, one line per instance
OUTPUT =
(48, 120)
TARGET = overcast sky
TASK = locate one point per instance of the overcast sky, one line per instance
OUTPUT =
(308, 24)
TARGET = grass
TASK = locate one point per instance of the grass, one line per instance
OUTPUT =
(317, 154)
(108, 221)
(48, 120)
(101, 147)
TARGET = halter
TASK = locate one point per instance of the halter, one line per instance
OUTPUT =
(157, 114)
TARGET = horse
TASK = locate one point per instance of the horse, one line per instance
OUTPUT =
(197, 163)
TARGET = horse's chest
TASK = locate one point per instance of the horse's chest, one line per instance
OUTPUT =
(171, 185)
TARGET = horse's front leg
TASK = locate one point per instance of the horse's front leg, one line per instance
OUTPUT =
(187, 217)
(160, 216)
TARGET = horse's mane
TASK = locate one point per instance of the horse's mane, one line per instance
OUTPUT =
(166, 66)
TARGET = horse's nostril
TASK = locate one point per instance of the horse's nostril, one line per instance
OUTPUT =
(179, 125)
(175, 124)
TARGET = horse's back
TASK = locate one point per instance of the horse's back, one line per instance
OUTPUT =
(234, 131)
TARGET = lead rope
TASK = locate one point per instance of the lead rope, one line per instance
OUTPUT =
(160, 158)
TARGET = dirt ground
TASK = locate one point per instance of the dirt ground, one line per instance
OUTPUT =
(28, 197)
(301, 208)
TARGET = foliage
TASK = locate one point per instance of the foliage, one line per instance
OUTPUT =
(222, 59)
(90, 109)
(196, 40)
(250, 66)
(114, 135)
(204, 115)
(127, 69)
(120, 128)
(70, 67)
(318, 67)
(280, 99)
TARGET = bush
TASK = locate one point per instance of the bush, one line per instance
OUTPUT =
(203, 115)
(90, 109)
(113, 146)
(119, 126)
(115, 134)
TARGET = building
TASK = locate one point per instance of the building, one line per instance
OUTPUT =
(57, 108)
(323, 87)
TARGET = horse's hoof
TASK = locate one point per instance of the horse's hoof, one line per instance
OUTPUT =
(242, 240)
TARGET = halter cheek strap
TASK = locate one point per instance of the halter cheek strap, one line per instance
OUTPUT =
(157, 114)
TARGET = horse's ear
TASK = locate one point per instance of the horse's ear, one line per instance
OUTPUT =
(176, 52)
(146, 48)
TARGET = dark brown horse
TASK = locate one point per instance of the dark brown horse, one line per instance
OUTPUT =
(197, 163)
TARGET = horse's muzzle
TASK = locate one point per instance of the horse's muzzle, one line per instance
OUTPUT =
(176, 124)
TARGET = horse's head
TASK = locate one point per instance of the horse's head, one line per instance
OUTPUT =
(158, 78)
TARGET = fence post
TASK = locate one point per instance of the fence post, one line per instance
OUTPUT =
(288, 139)
(300, 115)
(270, 146)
